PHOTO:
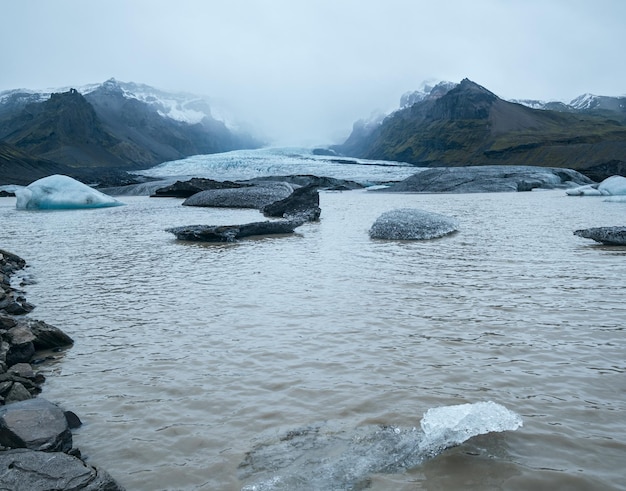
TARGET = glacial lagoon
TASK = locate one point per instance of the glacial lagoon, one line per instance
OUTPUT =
(189, 358)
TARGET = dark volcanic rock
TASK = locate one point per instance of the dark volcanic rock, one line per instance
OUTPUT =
(303, 202)
(230, 233)
(321, 182)
(249, 197)
(36, 424)
(605, 235)
(488, 178)
(27, 470)
(185, 189)
(45, 336)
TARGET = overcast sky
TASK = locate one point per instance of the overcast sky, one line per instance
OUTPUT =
(303, 71)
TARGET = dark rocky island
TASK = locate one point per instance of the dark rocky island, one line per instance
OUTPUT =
(488, 179)
(231, 233)
(185, 189)
(256, 196)
(299, 206)
(36, 452)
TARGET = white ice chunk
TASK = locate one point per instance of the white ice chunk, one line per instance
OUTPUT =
(59, 192)
(611, 186)
(447, 426)
(588, 190)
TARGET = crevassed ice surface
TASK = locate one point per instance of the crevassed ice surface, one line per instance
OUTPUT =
(247, 164)
(59, 192)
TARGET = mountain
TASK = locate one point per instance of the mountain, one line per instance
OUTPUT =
(600, 105)
(469, 125)
(17, 167)
(113, 125)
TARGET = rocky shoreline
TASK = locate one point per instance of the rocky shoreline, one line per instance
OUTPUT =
(36, 450)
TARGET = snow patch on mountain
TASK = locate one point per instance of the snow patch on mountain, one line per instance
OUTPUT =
(180, 106)
(428, 90)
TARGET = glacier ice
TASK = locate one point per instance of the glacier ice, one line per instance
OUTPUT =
(447, 426)
(320, 457)
(412, 224)
(247, 164)
(611, 186)
(58, 192)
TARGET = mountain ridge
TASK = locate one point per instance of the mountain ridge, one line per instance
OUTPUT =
(109, 128)
(469, 125)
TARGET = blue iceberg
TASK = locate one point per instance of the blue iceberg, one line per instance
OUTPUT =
(59, 192)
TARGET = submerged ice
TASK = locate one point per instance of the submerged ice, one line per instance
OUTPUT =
(59, 192)
(318, 458)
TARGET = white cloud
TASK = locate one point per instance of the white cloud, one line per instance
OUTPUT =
(304, 71)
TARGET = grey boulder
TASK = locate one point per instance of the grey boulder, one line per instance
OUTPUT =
(27, 470)
(412, 224)
(35, 424)
(605, 235)
(245, 197)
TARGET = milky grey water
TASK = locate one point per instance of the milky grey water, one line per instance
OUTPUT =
(187, 356)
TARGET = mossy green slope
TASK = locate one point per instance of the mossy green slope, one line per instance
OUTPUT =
(472, 126)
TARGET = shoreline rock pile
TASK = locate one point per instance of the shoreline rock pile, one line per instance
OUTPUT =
(36, 451)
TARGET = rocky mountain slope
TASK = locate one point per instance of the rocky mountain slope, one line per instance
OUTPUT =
(469, 125)
(108, 126)
(17, 167)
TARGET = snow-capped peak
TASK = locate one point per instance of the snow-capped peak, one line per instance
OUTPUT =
(180, 106)
(585, 101)
(428, 90)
